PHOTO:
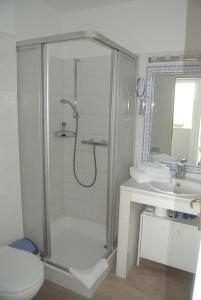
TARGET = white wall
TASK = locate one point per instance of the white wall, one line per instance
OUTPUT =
(56, 174)
(7, 16)
(193, 25)
(30, 142)
(10, 197)
(162, 122)
(35, 19)
(93, 107)
(180, 143)
(67, 196)
(140, 26)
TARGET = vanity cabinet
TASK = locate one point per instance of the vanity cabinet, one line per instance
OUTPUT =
(154, 238)
(184, 242)
(172, 242)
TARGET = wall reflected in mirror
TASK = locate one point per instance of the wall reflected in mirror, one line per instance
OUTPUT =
(176, 118)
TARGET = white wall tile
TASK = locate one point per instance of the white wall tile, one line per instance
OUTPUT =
(82, 208)
(85, 159)
(8, 101)
(56, 152)
(93, 107)
(86, 176)
(10, 196)
(7, 80)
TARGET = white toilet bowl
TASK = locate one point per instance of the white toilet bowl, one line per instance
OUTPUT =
(21, 274)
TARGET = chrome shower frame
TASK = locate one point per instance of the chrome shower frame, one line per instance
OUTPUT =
(113, 132)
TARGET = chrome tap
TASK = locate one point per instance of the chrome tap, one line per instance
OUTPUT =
(181, 169)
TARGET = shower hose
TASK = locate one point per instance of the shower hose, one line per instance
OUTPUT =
(74, 159)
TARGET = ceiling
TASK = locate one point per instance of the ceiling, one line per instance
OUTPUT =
(76, 5)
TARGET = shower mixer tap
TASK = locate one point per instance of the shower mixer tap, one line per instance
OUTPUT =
(92, 142)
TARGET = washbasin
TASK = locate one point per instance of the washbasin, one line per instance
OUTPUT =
(180, 187)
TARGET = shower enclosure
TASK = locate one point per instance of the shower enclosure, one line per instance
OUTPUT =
(76, 109)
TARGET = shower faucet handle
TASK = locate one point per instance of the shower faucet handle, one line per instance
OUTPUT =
(92, 142)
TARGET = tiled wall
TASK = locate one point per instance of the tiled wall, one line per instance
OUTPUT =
(10, 197)
(56, 147)
(93, 107)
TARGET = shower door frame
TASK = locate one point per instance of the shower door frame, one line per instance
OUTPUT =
(113, 130)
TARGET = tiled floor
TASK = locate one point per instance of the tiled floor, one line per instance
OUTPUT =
(150, 281)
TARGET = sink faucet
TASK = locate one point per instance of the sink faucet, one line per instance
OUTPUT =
(181, 169)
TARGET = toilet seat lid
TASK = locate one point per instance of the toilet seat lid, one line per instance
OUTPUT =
(19, 270)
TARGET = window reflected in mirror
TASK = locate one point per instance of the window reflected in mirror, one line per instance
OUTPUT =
(176, 130)
(184, 93)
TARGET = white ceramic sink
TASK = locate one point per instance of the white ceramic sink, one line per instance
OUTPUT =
(180, 187)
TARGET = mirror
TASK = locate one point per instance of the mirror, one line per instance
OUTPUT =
(173, 115)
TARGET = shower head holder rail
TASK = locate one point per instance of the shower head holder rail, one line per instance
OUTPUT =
(64, 134)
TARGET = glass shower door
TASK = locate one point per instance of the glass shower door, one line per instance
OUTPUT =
(77, 109)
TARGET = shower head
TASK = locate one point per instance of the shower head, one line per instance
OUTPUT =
(73, 106)
(64, 101)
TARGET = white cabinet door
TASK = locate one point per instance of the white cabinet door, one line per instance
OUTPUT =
(154, 239)
(183, 247)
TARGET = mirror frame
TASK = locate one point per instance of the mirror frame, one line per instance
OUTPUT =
(149, 100)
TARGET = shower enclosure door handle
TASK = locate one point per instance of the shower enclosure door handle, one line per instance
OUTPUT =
(92, 142)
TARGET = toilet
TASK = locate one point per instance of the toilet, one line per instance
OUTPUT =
(21, 274)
